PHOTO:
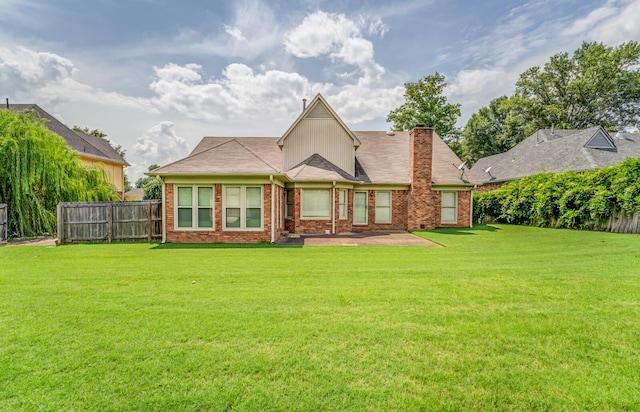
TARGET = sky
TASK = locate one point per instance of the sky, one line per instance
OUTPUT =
(158, 75)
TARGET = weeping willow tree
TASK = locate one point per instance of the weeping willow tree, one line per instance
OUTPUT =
(38, 170)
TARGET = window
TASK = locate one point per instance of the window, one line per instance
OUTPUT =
(316, 203)
(360, 208)
(289, 194)
(342, 204)
(383, 207)
(242, 207)
(449, 212)
(195, 207)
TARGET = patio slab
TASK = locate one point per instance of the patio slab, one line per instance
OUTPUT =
(358, 239)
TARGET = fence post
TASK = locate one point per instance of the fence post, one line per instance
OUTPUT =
(109, 221)
(4, 222)
(149, 222)
(60, 213)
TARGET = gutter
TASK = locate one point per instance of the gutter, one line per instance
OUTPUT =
(164, 211)
(333, 209)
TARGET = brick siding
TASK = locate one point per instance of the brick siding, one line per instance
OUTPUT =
(217, 234)
(421, 212)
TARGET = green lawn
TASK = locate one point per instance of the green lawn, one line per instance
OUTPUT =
(501, 318)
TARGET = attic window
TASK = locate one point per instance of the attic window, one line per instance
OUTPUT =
(319, 112)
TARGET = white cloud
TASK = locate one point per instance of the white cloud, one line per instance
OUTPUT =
(159, 145)
(24, 69)
(340, 38)
(471, 83)
(613, 23)
(49, 79)
(240, 94)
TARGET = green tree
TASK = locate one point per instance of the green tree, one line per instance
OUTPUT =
(127, 183)
(597, 85)
(99, 133)
(152, 189)
(38, 170)
(144, 180)
(493, 129)
(426, 104)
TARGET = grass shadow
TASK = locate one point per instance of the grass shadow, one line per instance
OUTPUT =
(263, 245)
(464, 230)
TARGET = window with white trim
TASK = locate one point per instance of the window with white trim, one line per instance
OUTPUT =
(195, 207)
(383, 207)
(242, 207)
(449, 211)
(316, 204)
(342, 203)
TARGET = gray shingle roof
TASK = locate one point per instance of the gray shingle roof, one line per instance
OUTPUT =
(229, 156)
(88, 145)
(380, 159)
(318, 169)
(558, 151)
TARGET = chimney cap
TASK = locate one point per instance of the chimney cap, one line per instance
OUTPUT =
(420, 125)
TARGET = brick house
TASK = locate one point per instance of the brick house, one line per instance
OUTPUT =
(318, 178)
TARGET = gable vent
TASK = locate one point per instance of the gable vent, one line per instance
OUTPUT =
(319, 112)
(601, 142)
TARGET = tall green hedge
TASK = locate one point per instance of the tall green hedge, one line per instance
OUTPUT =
(564, 200)
(38, 170)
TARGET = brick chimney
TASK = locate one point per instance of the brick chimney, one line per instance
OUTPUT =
(421, 213)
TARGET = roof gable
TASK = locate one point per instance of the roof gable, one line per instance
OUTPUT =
(318, 109)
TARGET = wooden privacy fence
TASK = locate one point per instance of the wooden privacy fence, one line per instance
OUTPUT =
(4, 223)
(110, 221)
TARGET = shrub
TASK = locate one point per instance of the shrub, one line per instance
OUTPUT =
(565, 200)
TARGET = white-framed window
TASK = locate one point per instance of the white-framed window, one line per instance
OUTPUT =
(342, 203)
(242, 207)
(360, 208)
(194, 205)
(383, 207)
(449, 210)
(316, 204)
(289, 198)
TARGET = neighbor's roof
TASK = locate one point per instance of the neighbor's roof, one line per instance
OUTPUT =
(380, 159)
(558, 151)
(86, 145)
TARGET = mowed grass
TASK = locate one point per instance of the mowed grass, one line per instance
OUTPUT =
(501, 318)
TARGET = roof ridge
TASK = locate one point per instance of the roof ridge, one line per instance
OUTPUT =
(255, 155)
(193, 155)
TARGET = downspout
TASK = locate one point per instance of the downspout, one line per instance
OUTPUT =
(273, 210)
(471, 207)
(333, 209)
(164, 211)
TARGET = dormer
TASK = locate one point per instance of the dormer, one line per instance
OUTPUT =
(319, 130)
(602, 141)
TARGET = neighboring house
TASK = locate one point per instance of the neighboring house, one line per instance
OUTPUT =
(92, 150)
(556, 151)
(134, 194)
(318, 178)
